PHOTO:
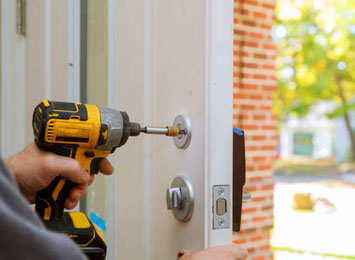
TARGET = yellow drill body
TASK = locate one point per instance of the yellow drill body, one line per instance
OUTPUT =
(87, 133)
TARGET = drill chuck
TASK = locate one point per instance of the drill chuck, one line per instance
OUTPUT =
(135, 129)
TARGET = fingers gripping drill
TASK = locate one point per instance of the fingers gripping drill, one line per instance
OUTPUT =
(87, 133)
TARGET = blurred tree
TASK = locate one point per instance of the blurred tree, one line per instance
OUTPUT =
(316, 58)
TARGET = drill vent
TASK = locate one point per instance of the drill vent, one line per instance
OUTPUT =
(50, 132)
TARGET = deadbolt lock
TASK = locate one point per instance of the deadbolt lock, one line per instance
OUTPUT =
(180, 198)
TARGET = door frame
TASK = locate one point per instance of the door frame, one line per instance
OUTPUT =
(219, 110)
(111, 102)
(14, 121)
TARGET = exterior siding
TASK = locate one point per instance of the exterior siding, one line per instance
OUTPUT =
(254, 84)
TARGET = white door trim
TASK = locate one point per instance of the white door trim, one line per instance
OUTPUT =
(219, 109)
(12, 82)
(73, 50)
(111, 90)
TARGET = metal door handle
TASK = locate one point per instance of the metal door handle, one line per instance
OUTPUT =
(180, 198)
(173, 198)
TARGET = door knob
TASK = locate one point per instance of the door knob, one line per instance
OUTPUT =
(180, 198)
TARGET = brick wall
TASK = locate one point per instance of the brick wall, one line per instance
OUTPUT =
(254, 83)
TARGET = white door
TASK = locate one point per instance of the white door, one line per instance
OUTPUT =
(42, 63)
(171, 58)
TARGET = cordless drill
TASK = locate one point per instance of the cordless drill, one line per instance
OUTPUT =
(87, 133)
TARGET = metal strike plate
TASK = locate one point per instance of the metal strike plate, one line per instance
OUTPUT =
(183, 123)
(180, 198)
(221, 206)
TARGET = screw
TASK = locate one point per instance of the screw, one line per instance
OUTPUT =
(221, 222)
(220, 191)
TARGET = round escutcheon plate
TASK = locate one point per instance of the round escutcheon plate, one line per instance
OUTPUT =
(183, 123)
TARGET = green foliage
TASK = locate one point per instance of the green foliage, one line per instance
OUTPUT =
(316, 56)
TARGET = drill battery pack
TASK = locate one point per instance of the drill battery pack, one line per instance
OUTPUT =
(85, 234)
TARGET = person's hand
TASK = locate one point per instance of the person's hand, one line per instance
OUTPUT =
(35, 169)
(227, 252)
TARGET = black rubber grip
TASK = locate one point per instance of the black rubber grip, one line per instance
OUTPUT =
(50, 201)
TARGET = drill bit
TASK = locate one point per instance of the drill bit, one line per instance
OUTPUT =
(169, 130)
(136, 129)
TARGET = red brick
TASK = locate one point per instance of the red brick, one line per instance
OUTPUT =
(240, 241)
(248, 107)
(256, 35)
(259, 158)
(255, 179)
(259, 117)
(250, 127)
(249, 168)
(249, 44)
(269, 46)
(239, 96)
(258, 219)
(249, 65)
(256, 238)
(256, 97)
(267, 187)
(250, 189)
(249, 230)
(242, 11)
(249, 23)
(260, 56)
(239, 32)
(269, 6)
(269, 67)
(265, 208)
(249, 86)
(259, 76)
(269, 88)
(268, 147)
(259, 137)
(264, 167)
(268, 108)
(250, 2)
(258, 199)
(249, 147)
(249, 210)
(269, 127)
(264, 26)
(260, 15)
(264, 247)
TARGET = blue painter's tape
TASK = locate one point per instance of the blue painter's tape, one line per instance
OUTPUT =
(98, 221)
(238, 131)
